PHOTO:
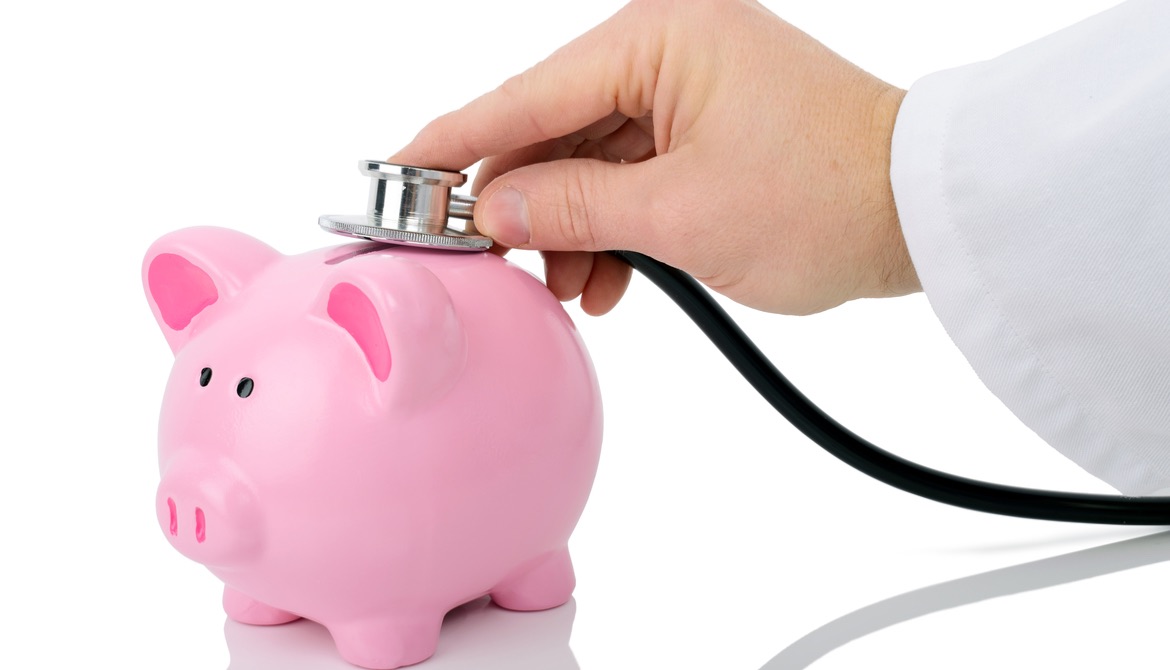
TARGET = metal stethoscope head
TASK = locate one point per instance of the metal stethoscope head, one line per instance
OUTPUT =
(412, 206)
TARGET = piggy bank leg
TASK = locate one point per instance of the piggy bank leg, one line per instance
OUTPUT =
(543, 584)
(388, 642)
(243, 609)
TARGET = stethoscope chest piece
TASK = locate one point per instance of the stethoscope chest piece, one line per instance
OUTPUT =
(411, 206)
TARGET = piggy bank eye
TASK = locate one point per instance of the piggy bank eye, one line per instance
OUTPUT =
(205, 377)
(244, 388)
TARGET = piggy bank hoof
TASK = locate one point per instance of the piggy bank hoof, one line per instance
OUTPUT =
(546, 583)
(385, 644)
(243, 609)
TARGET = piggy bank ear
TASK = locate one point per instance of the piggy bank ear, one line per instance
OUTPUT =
(190, 273)
(400, 319)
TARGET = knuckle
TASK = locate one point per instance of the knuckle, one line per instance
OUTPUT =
(519, 90)
(574, 219)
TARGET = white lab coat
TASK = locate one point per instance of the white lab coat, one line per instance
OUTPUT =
(1034, 193)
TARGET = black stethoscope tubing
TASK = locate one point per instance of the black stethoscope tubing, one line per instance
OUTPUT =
(870, 459)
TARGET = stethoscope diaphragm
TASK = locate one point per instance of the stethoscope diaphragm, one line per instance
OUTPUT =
(411, 206)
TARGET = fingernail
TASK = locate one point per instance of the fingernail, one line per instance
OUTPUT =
(505, 218)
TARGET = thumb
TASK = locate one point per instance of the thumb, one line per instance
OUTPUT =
(575, 204)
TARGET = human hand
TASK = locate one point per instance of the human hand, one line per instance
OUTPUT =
(708, 134)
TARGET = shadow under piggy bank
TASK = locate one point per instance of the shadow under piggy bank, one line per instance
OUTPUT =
(476, 635)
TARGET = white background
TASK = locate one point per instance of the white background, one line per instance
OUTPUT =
(715, 536)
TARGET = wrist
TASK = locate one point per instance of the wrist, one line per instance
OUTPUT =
(892, 272)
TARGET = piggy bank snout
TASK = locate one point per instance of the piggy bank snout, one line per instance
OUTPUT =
(208, 511)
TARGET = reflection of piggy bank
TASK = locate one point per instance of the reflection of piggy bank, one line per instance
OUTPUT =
(369, 436)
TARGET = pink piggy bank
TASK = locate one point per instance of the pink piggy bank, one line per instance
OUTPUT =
(369, 436)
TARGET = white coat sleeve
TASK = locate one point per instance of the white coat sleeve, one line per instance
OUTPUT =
(1034, 195)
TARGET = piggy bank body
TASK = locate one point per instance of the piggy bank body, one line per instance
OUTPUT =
(368, 436)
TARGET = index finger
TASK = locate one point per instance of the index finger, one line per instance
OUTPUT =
(610, 68)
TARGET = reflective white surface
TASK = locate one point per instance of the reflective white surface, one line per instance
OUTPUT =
(716, 537)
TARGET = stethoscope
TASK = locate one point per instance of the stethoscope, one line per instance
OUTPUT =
(413, 206)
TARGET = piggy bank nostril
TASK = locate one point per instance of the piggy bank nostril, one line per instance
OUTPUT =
(174, 517)
(200, 525)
